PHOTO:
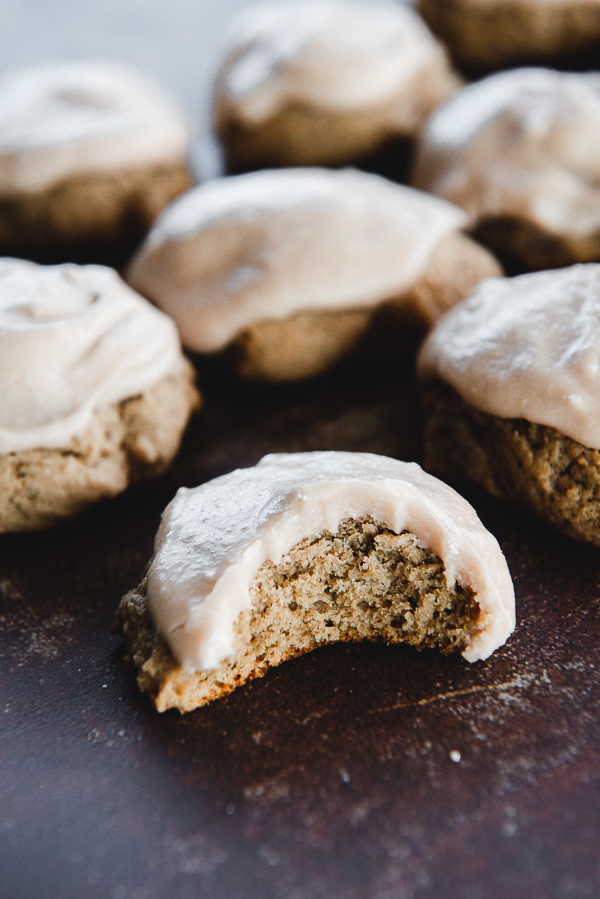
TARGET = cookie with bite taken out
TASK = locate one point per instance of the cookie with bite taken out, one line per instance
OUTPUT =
(303, 549)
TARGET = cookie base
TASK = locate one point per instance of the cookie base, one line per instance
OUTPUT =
(532, 465)
(485, 35)
(131, 441)
(96, 208)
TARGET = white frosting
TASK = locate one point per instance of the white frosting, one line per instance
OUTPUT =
(527, 347)
(214, 538)
(520, 143)
(266, 245)
(73, 339)
(69, 118)
(331, 53)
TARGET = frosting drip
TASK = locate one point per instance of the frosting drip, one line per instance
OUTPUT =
(527, 347)
(73, 339)
(214, 538)
(335, 54)
(520, 143)
(266, 245)
(76, 117)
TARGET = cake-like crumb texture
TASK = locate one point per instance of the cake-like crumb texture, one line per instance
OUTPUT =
(92, 207)
(532, 465)
(364, 582)
(125, 443)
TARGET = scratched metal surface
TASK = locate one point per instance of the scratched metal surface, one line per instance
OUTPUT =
(356, 772)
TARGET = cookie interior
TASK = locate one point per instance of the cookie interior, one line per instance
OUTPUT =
(364, 582)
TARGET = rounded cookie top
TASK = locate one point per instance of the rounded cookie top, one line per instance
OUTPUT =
(61, 119)
(332, 54)
(522, 144)
(73, 339)
(214, 538)
(526, 347)
(265, 245)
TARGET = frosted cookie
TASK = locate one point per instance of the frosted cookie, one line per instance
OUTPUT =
(95, 390)
(326, 82)
(494, 34)
(519, 152)
(285, 269)
(90, 152)
(513, 394)
(304, 549)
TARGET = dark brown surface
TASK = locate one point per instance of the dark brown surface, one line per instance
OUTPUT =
(331, 778)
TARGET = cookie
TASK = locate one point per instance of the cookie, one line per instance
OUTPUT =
(90, 153)
(305, 549)
(326, 82)
(512, 395)
(484, 35)
(284, 270)
(95, 391)
(518, 152)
